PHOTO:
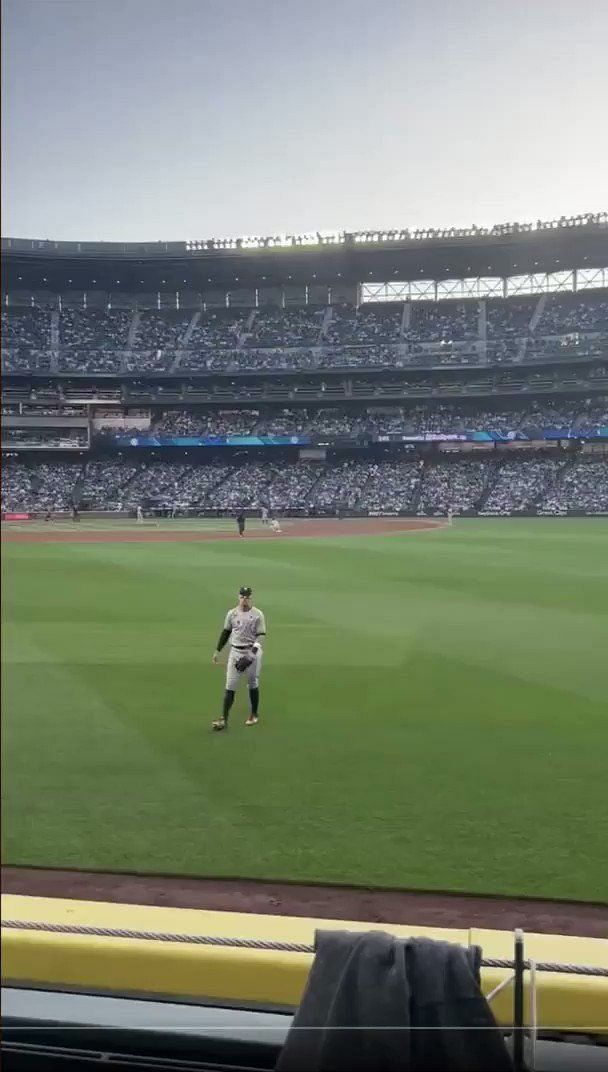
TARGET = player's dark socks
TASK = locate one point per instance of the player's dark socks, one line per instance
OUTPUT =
(254, 700)
(228, 702)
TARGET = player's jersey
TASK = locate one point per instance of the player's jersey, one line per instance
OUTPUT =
(246, 626)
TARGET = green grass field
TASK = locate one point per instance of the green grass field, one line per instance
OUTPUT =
(434, 709)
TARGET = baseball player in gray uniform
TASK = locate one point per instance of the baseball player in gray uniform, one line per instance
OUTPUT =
(244, 625)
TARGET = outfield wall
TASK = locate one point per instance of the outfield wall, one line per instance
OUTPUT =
(153, 955)
(165, 513)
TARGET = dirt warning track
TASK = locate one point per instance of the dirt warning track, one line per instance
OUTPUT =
(317, 901)
(297, 528)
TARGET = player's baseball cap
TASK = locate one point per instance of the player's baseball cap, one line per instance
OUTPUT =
(244, 591)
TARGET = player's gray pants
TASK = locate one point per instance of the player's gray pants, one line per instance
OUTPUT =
(251, 674)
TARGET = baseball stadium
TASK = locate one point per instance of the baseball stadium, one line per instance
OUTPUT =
(393, 446)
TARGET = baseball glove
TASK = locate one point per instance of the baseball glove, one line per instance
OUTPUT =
(243, 662)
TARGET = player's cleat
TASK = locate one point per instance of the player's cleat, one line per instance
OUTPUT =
(219, 724)
(252, 720)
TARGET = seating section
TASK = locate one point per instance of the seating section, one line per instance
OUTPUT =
(447, 332)
(580, 416)
(551, 484)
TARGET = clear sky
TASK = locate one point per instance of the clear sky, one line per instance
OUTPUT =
(128, 120)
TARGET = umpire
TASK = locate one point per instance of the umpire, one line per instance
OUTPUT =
(240, 520)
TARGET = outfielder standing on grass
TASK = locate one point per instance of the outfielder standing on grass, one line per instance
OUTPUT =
(244, 625)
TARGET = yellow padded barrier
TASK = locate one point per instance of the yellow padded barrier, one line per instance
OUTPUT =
(565, 1002)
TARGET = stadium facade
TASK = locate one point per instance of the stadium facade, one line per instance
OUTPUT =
(368, 372)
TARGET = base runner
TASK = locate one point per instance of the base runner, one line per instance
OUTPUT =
(244, 625)
(276, 528)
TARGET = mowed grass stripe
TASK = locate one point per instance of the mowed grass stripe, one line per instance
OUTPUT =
(422, 728)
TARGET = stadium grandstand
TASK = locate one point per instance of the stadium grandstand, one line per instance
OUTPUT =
(389, 372)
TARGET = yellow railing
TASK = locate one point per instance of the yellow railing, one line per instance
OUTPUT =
(162, 964)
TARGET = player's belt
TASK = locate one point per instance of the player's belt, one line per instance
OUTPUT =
(241, 647)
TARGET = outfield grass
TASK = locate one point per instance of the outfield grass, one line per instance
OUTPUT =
(434, 709)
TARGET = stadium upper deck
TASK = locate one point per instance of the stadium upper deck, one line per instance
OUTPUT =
(303, 266)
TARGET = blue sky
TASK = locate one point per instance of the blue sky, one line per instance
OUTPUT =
(136, 119)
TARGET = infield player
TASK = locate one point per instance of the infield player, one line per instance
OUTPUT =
(276, 528)
(240, 521)
(140, 516)
(264, 513)
(244, 625)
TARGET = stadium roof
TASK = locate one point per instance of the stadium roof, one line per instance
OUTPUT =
(319, 257)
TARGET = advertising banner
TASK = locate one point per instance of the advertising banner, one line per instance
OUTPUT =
(212, 441)
(489, 436)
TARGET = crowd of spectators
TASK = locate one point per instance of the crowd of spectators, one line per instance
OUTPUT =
(341, 485)
(160, 330)
(210, 423)
(519, 484)
(457, 485)
(293, 326)
(148, 361)
(197, 483)
(365, 325)
(157, 480)
(509, 318)
(566, 313)
(218, 330)
(391, 486)
(41, 487)
(582, 486)
(20, 360)
(245, 487)
(63, 438)
(94, 329)
(286, 327)
(130, 361)
(582, 416)
(104, 482)
(443, 322)
(448, 333)
(28, 328)
(90, 361)
(498, 486)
